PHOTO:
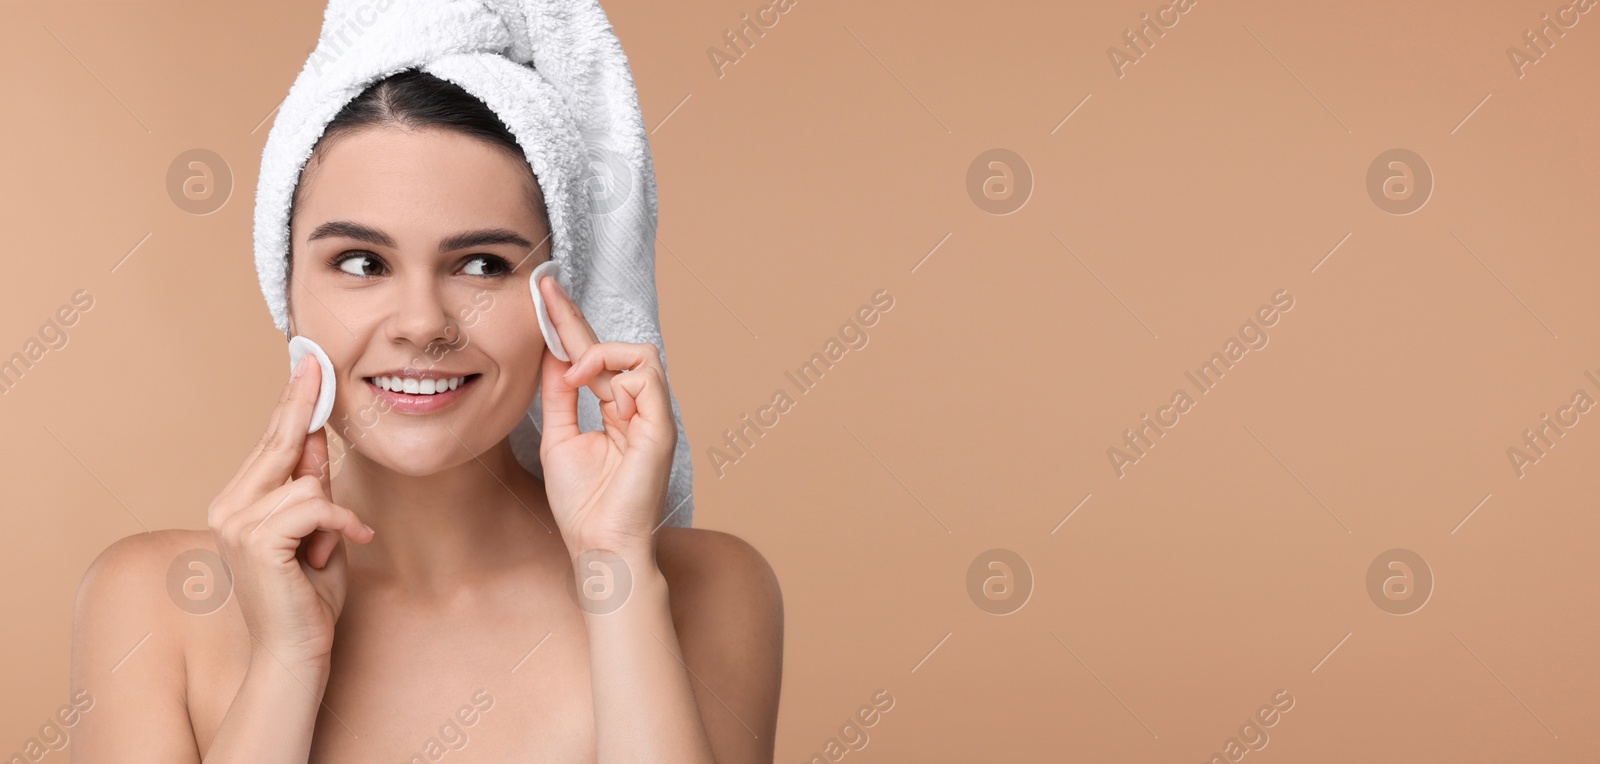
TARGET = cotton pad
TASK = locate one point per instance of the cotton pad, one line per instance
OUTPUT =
(551, 339)
(298, 348)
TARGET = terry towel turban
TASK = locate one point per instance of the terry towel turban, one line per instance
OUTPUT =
(555, 73)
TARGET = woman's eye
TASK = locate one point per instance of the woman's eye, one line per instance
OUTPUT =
(486, 265)
(357, 264)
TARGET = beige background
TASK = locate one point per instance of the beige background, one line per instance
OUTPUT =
(1227, 564)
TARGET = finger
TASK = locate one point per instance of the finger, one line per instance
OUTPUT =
(577, 336)
(284, 441)
(319, 546)
(298, 521)
(276, 423)
(333, 568)
(272, 422)
(316, 547)
(625, 397)
(314, 460)
(247, 520)
(643, 400)
(611, 358)
(558, 401)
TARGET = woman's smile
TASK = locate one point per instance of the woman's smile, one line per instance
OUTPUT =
(410, 391)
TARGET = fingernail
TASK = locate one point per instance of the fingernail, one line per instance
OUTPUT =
(369, 529)
(299, 368)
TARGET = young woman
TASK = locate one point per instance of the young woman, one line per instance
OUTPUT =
(435, 601)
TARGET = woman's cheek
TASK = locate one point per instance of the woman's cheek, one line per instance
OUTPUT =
(470, 315)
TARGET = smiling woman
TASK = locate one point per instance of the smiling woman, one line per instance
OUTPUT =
(436, 564)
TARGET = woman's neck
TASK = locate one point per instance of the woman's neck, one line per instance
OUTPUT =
(440, 532)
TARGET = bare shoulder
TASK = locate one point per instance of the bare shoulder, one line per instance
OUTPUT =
(133, 570)
(716, 571)
(130, 599)
(727, 609)
(129, 638)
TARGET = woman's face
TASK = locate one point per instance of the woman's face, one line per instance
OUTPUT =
(404, 247)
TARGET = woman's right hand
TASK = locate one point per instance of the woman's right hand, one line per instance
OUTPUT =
(282, 540)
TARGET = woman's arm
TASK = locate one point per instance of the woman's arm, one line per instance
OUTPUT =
(284, 543)
(688, 672)
(606, 490)
(273, 715)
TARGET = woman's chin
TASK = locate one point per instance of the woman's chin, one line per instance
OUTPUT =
(419, 446)
(417, 457)
(413, 464)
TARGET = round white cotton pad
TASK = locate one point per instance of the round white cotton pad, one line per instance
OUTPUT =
(551, 339)
(298, 347)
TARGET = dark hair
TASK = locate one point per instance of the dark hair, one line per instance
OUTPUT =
(415, 99)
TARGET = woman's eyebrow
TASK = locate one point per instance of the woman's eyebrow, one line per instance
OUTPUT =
(351, 230)
(484, 237)
(463, 240)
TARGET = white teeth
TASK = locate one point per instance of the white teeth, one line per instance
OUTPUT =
(413, 386)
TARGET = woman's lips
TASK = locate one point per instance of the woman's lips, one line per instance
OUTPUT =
(409, 403)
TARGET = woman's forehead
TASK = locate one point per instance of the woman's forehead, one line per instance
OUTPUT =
(421, 181)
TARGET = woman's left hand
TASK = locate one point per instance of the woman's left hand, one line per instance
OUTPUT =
(606, 487)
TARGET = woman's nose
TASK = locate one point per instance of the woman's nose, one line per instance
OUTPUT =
(422, 315)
